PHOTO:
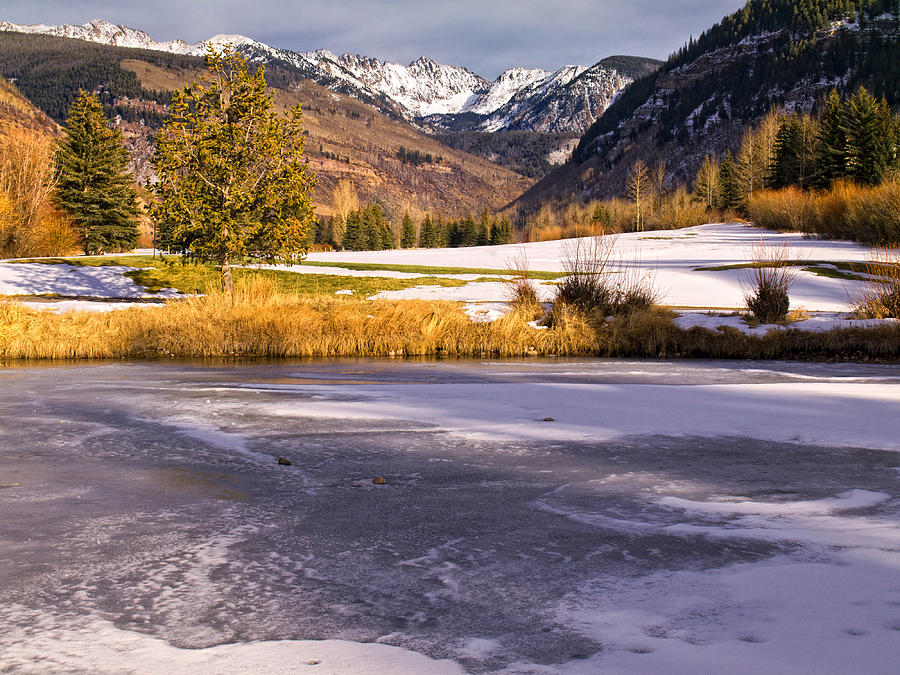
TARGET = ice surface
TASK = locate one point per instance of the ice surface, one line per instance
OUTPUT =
(674, 517)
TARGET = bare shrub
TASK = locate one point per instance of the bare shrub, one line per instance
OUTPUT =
(879, 297)
(29, 224)
(844, 211)
(520, 290)
(766, 292)
(597, 283)
(587, 285)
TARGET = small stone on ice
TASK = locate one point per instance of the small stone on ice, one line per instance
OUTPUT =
(549, 419)
(378, 480)
(283, 461)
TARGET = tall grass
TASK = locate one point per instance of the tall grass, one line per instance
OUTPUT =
(259, 321)
(520, 291)
(869, 215)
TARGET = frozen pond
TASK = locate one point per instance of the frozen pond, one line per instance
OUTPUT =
(568, 516)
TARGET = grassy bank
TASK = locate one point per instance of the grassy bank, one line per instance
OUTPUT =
(260, 321)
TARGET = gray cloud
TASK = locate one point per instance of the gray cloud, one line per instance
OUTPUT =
(484, 36)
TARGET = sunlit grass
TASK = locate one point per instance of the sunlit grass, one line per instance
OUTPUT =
(260, 321)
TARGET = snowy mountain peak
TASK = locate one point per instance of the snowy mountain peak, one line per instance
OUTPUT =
(519, 98)
(220, 41)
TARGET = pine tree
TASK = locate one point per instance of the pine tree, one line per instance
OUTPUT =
(729, 190)
(353, 234)
(232, 181)
(867, 125)
(408, 230)
(441, 233)
(500, 232)
(484, 232)
(795, 152)
(94, 188)
(601, 216)
(831, 156)
(426, 236)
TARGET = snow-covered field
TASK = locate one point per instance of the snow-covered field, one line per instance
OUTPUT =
(74, 283)
(670, 257)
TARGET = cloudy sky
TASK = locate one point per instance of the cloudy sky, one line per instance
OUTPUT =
(486, 36)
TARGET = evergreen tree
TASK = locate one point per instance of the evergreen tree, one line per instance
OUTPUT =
(231, 178)
(426, 236)
(441, 233)
(867, 124)
(484, 231)
(795, 152)
(831, 155)
(500, 232)
(601, 216)
(94, 187)
(408, 232)
(469, 231)
(372, 223)
(729, 189)
(353, 235)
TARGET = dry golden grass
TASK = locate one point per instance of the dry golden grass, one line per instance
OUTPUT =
(673, 211)
(844, 211)
(257, 321)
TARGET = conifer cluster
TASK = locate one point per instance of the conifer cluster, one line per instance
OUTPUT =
(367, 229)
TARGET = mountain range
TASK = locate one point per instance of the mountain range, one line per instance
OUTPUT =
(430, 94)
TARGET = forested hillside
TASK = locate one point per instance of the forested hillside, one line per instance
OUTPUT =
(771, 53)
(17, 111)
(347, 139)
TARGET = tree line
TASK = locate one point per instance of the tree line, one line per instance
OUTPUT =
(853, 138)
(367, 229)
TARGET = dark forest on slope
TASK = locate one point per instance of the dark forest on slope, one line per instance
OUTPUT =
(770, 53)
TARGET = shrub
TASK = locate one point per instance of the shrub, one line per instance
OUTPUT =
(879, 297)
(520, 291)
(845, 211)
(767, 292)
(597, 284)
(788, 209)
(587, 285)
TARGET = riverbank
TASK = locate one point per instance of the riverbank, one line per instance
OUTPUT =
(257, 321)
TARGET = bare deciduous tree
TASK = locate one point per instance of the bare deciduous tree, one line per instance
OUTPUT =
(638, 187)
